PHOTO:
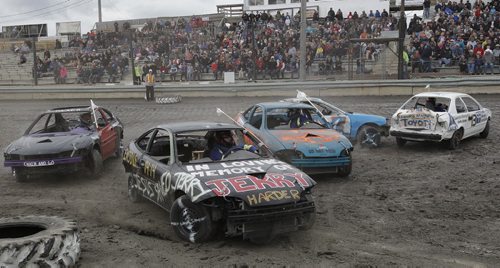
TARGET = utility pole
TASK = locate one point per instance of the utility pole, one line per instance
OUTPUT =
(131, 55)
(99, 8)
(303, 50)
(401, 41)
(35, 65)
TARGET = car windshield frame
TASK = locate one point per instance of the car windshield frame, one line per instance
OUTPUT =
(204, 138)
(279, 118)
(66, 121)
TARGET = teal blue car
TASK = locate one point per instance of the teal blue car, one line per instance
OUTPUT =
(366, 129)
(296, 134)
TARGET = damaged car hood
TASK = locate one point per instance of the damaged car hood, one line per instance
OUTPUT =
(312, 142)
(48, 143)
(259, 182)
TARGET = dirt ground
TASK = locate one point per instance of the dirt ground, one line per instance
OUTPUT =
(421, 205)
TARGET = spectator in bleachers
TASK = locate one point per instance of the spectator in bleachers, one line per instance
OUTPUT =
(63, 74)
(496, 54)
(22, 59)
(137, 74)
(478, 64)
(46, 54)
(427, 8)
(488, 59)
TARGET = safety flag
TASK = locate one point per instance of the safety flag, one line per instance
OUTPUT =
(94, 107)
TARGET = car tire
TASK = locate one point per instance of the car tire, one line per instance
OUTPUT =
(133, 194)
(38, 241)
(345, 170)
(454, 142)
(20, 175)
(309, 221)
(95, 163)
(191, 221)
(400, 142)
(368, 136)
(486, 130)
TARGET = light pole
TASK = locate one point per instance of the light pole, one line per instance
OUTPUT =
(132, 57)
(401, 41)
(303, 50)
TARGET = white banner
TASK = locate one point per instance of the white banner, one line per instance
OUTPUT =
(71, 27)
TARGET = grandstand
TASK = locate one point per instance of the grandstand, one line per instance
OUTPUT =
(261, 46)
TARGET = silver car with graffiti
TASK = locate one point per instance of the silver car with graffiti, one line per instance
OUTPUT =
(441, 117)
(244, 193)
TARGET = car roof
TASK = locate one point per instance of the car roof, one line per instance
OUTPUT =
(441, 94)
(283, 104)
(303, 99)
(197, 125)
(71, 109)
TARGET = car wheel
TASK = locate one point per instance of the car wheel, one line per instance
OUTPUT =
(309, 220)
(191, 221)
(95, 163)
(345, 170)
(368, 136)
(133, 194)
(38, 241)
(454, 142)
(486, 130)
(20, 175)
(400, 142)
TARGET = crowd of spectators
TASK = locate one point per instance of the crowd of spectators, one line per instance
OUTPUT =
(461, 34)
(258, 45)
(261, 45)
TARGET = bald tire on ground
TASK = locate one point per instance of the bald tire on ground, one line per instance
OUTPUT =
(191, 221)
(38, 241)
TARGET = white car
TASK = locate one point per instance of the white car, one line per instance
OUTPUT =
(440, 116)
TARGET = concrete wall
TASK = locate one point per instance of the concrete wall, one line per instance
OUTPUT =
(471, 85)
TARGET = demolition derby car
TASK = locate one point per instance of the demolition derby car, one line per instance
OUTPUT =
(65, 140)
(440, 116)
(242, 191)
(366, 129)
(298, 135)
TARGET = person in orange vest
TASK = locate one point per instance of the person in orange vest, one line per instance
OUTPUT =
(150, 86)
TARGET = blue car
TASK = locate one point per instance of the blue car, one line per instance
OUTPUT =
(366, 129)
(297, 134)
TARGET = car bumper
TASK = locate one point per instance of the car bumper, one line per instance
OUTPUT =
(417, 136)
(270, 220)
(321, 162)
(42, 162)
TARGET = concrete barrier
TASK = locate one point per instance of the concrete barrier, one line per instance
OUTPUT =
(282, 88)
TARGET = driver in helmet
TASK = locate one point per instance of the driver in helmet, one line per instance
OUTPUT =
(86, 120)
(225, 144)
(85, 124)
